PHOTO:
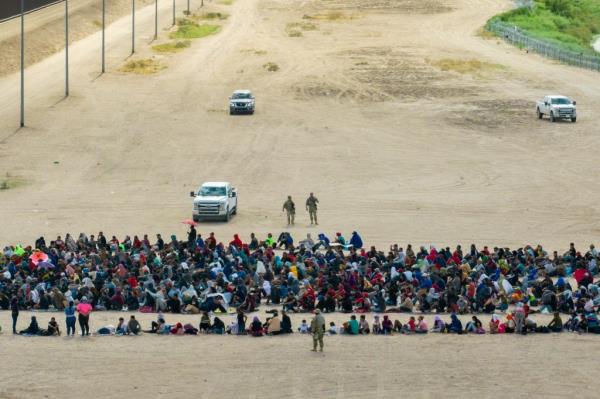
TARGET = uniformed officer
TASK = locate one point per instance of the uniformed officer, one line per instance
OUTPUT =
(290, 209)
(311, 208)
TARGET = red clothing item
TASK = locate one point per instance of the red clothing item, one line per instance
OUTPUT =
(237, 242)
(133, 283)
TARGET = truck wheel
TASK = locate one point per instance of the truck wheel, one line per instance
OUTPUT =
(227, 215)
(552, 118)
(234, 211)
(196, 218)
(574, 119)
(539, 114)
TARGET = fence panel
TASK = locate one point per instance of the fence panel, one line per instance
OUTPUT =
(520, 38)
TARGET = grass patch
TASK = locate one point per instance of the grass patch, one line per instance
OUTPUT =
(225, 2)
(295, 29)
(142, 67)
(465, 66)
(172, 47)
(572, 24)
(271, 67)
(486, 34)
(330, 16)
(190, 30)
(9, 181)
(211, 15)
(97, 23)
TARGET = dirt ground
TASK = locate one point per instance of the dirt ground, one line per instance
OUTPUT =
(149, 366)
(407, 123)
(360, 112)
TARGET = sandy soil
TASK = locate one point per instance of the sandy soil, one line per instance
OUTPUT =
(269, 367)
(360, 112)
(44, 30)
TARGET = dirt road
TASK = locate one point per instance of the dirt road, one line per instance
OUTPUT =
(366, 110)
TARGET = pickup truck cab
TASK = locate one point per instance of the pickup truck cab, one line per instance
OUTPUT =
(557, 107)
(214, 200)
(241, 102)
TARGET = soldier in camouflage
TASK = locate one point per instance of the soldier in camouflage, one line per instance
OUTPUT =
(290, 209)
(311, 208)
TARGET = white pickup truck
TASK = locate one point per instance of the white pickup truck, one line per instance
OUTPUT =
(557, 107)
(214, 200)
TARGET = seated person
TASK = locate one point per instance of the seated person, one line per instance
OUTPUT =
(363, 325)
(386, 325)
(204, 322)
(332, 329)
(33, 328)
(351, 326)
(133, 327)
(121, 327)
(218, 326)
(304, 328)
(556, 325)
(256, 328)
(422, 327)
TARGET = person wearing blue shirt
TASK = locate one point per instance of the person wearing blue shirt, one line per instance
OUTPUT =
(70, 314)
(356, 241)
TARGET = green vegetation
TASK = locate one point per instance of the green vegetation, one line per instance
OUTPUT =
(190, 30)
(9, 182)
(465, 66)
(172, 47)
(210, 15)
(142, 67)
(571, 24)
(294, 29)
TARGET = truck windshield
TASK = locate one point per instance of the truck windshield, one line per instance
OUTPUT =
(212, 191)
(241, 96)
(561, 101)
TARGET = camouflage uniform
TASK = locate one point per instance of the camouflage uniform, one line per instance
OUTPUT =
(290, 209)
(311, 207)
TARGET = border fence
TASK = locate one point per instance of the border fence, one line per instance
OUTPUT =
(520, 38)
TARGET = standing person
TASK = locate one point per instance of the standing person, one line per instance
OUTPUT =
(192, 235)
(311, 208)
(317, 328)
(241, 321)
(290, 209)
(14, 308)
(70, 315)
(84, 309)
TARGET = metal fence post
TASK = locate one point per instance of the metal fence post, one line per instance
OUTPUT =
(132, 26)
(103, 36)
(22, 122)
(188, 7)
(173, 12)
(155, 19)
(66, 48)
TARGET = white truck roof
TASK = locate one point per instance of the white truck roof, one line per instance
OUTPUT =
(242, 91)
(215, 184)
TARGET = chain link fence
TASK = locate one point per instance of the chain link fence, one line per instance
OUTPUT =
(520, 38)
